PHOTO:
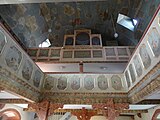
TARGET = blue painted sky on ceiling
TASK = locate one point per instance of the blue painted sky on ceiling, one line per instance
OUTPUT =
(30, 22)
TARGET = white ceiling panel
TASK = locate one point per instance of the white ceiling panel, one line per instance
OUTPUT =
(72, 106)
(104, 67)
(51, 67)
(141, 107)
(6, 95)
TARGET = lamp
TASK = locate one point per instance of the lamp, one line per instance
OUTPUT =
(115, 33)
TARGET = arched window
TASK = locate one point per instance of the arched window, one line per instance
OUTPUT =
(10, 114)
(156, 115)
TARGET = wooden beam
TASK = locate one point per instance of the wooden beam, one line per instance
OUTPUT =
(14, 101)
(149, 101)
(134, 111)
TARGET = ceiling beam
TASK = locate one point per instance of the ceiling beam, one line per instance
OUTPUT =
(14, 101)
(39, 1)
(149, 101)
(134, 111)
(98, 111)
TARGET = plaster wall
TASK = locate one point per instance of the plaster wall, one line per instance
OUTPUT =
(54, 82)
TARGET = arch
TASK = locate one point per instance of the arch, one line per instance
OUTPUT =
(2, 106)
(156, 113)
(10, 114)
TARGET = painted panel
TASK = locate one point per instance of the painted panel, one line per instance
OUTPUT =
(116, 82)
(13, 58)
(83, 38)
(43, 52)
(102, 82)
(110, 52)
(97, 54)
(145, 56)
(89, 82)
(55, 53)
(127, 79)
(122, 52)
(154, 41)
(49, 82)
(32, 52)
(96, 41)
(75, 82)
(82, 54)
(2, 41)
(69, 41)
(37, 78)
(67, 54)
(27, 70)
(62, 83)
(132, 73)
(138, 66)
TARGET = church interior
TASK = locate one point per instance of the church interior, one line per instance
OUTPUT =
(79, 59)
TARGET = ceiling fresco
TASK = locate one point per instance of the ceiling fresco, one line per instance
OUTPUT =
(33, 23)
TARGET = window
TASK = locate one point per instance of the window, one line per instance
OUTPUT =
(127, 22)
(45, 43)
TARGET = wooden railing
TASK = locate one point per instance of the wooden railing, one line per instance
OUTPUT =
(60, 54)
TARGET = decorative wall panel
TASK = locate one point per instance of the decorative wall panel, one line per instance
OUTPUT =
(97, 54)
(116, 82)
(77, 53)
(102, 82)
(132, 73)
(37, 78)
(27, 70)
(22, 76)
(89, 82)
(154, 41)
(13, 58)
(127, 79)
(2, 41)
(49, 82)
(62, 83)
(122, 52)
(110, 52)
(55, 53)
(75, 82)
(85, 83)
(145, 56)
(82, 54)
(67, 54)
(43, 53)
(138, 66)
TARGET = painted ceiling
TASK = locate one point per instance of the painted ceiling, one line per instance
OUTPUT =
(31, 22)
